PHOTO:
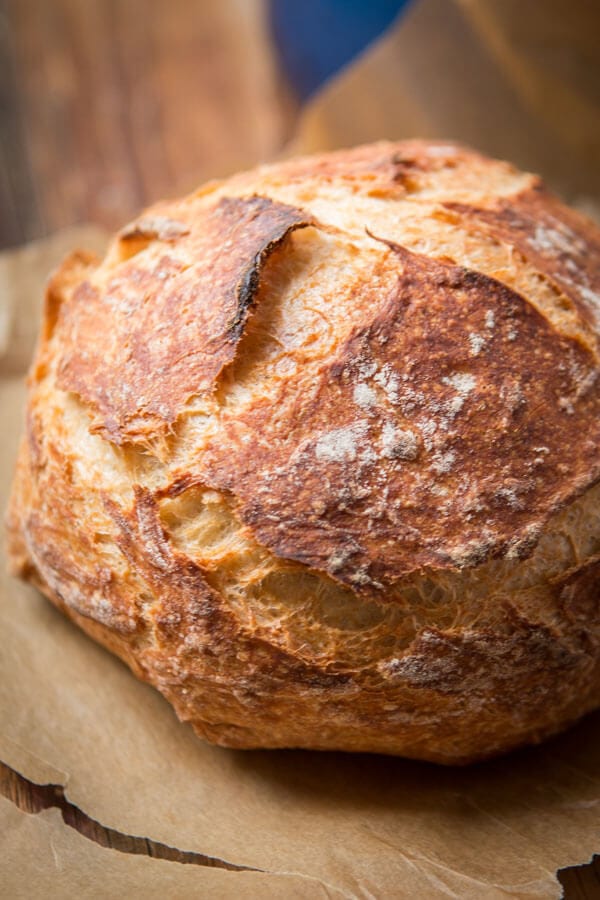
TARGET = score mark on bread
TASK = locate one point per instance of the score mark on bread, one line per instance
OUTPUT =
(172, 327)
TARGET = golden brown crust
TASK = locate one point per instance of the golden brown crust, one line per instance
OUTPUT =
(415, 452)
(138, 372)
(315, 451)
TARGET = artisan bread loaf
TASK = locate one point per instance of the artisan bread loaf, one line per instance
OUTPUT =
(315, 450)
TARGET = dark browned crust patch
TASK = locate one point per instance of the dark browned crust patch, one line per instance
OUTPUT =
(172, 321)
(561, 244)
(411, 450)
(451, 663)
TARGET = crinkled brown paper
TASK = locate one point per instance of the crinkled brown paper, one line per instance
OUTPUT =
(291, 824)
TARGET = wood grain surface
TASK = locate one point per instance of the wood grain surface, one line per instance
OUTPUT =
(108, 105)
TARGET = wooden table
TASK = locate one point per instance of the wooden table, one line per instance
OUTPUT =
(109, 105)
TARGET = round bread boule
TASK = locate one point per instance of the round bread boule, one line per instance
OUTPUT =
(316, 451)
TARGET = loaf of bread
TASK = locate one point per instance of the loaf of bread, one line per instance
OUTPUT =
(315, 450)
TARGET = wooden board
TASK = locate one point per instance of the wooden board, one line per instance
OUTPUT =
(107, 106)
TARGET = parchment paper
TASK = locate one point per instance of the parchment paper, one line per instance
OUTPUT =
(56, 861)
(302, 824)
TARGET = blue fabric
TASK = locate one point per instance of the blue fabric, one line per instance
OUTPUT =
(315, 38)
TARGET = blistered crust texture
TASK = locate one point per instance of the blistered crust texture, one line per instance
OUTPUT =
(316, 450)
